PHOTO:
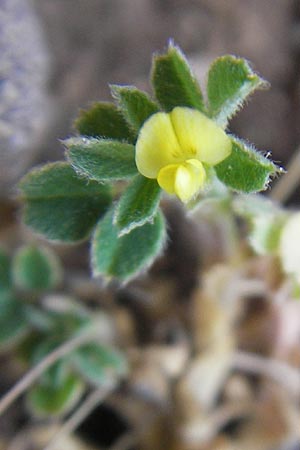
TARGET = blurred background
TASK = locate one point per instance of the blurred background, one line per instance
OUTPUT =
(184, 325)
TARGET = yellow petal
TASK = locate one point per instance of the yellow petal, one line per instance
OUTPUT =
(184, 180)
(157, 145)
(199, 136)
(166, 178)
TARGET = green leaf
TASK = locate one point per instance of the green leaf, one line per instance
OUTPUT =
(230, 82)
(98, 364)
(36, 268)
(13, 319)
(100, 159)
(173, 81)
(47, 398)
(62, 205)
(104, 120)
(245, 170)
(5, 271)
(135, 105)
(124, 257)
(137, 205)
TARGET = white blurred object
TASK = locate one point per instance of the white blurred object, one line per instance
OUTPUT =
(289, 247)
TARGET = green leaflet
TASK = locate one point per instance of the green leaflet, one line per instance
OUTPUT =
(60, 204)
(104, 120)
(173, 82)
(36, 268)
(124, 257)
(135, 105)
(245, 170)
(101, 159)
(98, 364)
(230, 82)
(138, 204)
(51, 398)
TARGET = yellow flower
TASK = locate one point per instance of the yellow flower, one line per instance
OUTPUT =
(172, 147)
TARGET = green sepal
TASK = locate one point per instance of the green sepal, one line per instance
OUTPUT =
(230, 81)
(104, 120)
(101, 159)
(5, 271)
(36, 268)
(173, 81)
(60, 204)
(245, 170)
(137, 205)
(135, 105)
(126, 256)
(98, 364)
(13, 320)
(53, 398)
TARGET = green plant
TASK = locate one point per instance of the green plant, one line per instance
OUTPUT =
(34, 325)
(127, 153)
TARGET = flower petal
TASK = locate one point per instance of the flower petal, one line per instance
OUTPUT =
(199, 136)
(166, 178)
(157, 145)
(190, 177)
(184, 180)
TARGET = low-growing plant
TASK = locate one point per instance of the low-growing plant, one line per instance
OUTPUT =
(35, 320)
(126, 155)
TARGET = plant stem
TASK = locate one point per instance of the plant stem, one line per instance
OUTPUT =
(30, 377)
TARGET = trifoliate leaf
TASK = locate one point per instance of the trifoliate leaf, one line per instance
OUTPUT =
(101, 159)
(173, 81)
(230, 81)
(104, 120)
(36, 268)
(135, 105)
(245, 169)
(124, 257)
(60, 204)
(138, 204)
